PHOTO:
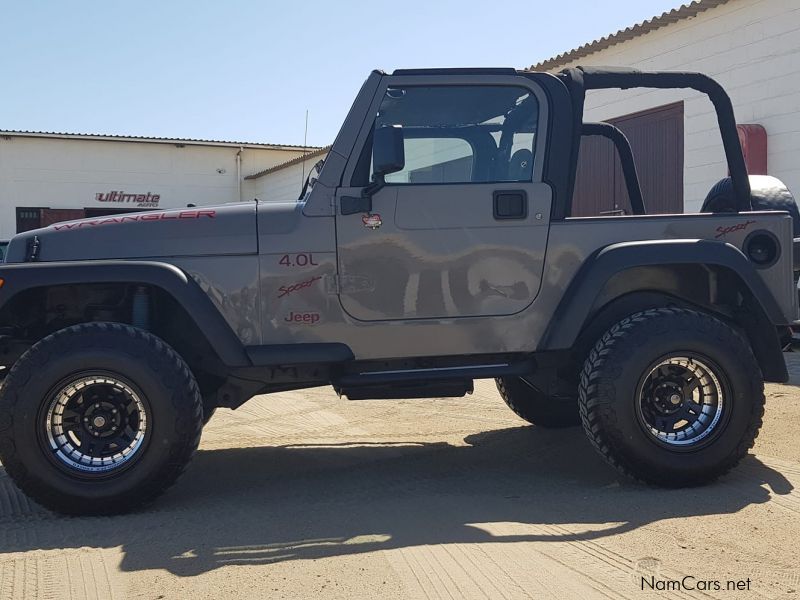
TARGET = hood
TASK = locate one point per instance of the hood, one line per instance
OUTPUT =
(217, 230)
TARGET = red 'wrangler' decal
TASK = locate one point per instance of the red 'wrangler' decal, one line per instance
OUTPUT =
(145, 216)
(738, 227)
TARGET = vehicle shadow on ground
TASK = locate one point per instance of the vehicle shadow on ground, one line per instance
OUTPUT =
(271, 504)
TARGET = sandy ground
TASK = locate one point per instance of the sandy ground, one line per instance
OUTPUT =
(305, 495)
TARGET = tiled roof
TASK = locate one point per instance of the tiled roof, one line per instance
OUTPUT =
(685, 11)
(289, 163)
(159, 140)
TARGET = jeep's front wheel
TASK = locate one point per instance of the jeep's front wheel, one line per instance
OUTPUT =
(98, 418)
(672, 397)
(535, 406)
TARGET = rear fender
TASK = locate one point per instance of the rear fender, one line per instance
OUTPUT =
(584, 296)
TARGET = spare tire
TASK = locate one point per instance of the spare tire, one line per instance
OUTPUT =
(767, 193)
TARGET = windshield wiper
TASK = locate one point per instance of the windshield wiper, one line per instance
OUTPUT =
(309, 183)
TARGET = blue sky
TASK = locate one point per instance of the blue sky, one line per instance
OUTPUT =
(248, 70)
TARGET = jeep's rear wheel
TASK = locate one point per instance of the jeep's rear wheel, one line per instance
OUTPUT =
(208, 412)
(672, 397)
(98, 418)
(534, 406)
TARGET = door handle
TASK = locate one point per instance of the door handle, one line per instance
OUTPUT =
(510, 204)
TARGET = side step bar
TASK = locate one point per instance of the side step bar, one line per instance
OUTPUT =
(451, 388)
(486, 371)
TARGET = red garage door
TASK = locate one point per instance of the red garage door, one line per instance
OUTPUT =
(656, 138)
(51, 216)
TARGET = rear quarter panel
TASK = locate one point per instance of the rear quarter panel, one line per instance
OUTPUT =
(572, 241)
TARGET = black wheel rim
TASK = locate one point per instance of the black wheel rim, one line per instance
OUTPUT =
(95, 424)
(682, 401)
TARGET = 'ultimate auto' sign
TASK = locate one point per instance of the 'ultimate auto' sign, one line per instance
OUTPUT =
(141, 200)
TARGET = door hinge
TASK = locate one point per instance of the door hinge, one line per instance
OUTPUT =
(33, 249)
(347, 284)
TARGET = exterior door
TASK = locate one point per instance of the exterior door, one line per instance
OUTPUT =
(461, 230)
(656, 138)
(51, 216)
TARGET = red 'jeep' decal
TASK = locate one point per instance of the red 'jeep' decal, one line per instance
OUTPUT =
(738, 227)
(145, 216)
(305, 318)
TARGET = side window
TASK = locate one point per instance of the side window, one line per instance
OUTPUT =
(435, 160)
(462, 134)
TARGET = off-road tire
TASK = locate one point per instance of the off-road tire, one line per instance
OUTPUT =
(535, 407)
(608, 395)
(208, 412)
(165, 381)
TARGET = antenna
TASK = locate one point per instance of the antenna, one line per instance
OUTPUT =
(305, 151)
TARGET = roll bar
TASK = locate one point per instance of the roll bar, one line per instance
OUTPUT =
(580, 79)
(623, 146)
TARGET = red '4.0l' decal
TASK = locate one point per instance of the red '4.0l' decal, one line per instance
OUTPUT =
(297, 260)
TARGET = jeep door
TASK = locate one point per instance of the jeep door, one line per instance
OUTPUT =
(461, 230)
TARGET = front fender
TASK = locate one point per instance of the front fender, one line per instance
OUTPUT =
(20, 277)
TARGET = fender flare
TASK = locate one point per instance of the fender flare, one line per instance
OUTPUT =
(574, 309)
(19, 277)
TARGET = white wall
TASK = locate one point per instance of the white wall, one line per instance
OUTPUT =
(752, 47)
(283, 185)
(68, 173)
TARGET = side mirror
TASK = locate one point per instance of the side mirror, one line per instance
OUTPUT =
(388, 156)
(388, 153)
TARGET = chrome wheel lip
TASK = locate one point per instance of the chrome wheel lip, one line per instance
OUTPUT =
(712, 391)
(62, 445)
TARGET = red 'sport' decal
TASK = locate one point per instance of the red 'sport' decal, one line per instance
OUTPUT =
(372, 221)
(145, 216)
(285, 290)
(730, 229)
(304, 318)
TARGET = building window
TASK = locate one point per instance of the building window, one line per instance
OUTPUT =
(28, 218)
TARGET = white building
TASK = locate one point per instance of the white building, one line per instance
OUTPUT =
(46, 177)
(752, 47)
(749, 46)
(284, 182)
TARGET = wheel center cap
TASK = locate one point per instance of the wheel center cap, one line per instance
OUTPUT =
(675, 399)
(99, 421)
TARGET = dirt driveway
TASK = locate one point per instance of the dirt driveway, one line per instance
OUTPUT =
(304, 495)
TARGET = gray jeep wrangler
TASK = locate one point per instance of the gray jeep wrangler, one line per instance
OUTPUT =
(433, 247)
